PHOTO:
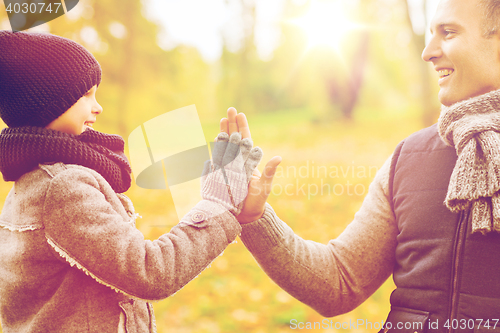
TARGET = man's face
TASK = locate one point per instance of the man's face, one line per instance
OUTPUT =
(468, 63)
(80, 116)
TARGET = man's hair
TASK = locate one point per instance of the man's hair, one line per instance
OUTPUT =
(491, 20)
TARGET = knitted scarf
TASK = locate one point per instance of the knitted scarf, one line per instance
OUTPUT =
(472, 127)
(23, 148)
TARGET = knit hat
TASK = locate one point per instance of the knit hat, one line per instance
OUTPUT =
(42, 76)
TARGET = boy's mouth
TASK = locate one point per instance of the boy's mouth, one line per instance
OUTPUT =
(88, 124)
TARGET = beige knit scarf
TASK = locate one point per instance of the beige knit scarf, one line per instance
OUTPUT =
(472, 127)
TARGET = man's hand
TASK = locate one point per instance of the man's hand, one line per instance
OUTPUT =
(260, 185)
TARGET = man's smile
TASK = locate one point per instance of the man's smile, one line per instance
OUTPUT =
(444, 74)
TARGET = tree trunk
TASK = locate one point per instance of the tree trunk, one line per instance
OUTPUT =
(430, 111)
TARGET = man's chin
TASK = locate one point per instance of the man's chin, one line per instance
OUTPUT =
(445, 102)
(447, 99)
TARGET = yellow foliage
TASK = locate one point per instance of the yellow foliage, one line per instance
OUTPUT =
(290, 115)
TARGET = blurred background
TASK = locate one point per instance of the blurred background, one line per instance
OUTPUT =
(331, 86)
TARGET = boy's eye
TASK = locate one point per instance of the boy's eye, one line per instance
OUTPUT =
(91, 90)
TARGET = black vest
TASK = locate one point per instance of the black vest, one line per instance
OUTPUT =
(447, 279)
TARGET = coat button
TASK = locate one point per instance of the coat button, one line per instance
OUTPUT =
(198, 217)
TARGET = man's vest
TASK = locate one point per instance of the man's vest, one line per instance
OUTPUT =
(448, 280)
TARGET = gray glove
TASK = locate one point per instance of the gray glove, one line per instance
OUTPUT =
(225, 180)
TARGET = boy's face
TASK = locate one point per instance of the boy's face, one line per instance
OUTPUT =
(467, 62)
(80, 116)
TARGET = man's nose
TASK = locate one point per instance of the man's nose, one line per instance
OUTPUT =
(432, 50)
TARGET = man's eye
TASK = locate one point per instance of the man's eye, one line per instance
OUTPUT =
(448, 33)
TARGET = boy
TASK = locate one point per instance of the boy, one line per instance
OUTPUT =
(71, 259)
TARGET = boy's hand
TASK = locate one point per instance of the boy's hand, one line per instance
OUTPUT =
(260, 185)
(225, 179)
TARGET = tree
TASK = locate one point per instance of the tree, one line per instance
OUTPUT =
(430, 110)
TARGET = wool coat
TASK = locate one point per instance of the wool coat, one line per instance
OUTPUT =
(72, 260)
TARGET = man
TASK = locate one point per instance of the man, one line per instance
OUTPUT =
(432, 214)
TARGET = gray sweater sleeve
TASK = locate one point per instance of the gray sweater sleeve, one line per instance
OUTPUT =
(84, 228)
(337, 277)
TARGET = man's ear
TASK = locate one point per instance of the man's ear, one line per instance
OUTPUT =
(496, 38)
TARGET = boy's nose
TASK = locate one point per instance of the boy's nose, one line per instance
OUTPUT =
(97, 108)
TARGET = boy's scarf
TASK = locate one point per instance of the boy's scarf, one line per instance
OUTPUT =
(23, 148)
(473, 128)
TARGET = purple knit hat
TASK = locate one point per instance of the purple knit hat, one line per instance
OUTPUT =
(42, 76)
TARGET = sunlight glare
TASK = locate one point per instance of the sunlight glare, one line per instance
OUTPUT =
(325, 24)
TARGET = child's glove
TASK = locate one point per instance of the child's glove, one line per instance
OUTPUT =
(225, 180)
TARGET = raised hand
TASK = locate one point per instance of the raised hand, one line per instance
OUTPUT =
(225, 179)
(260, 184)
